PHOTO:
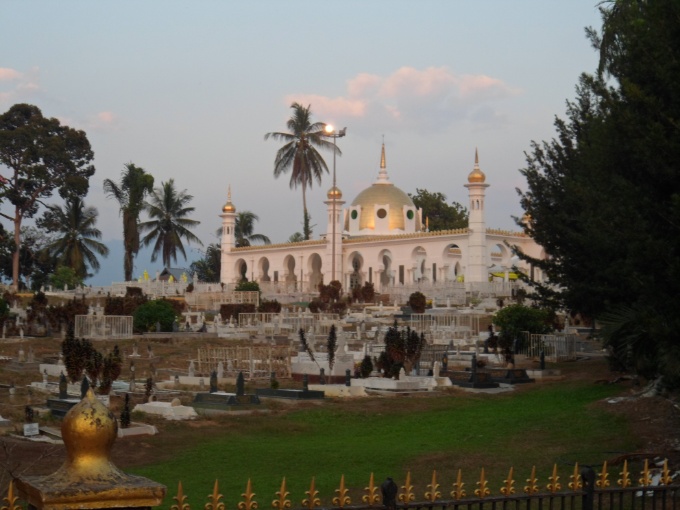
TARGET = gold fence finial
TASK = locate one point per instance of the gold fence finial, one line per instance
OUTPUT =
(509, 488)
(181, 499)
(665, 474)
(576, 482)
(532, 481)
(371, 497)
(458, 492)
(554, 480)
(482, 489)
(282, 503)
(646, 475)
(312, 500)
(408, 494)
(214, 502)
(624, 481)
(603, 481)
(433, 494)
(342, 498)
(11, 499)
(248, 496)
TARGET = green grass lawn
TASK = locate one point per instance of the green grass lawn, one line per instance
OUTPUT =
(541, 425)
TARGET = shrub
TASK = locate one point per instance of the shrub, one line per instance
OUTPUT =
(368, 293)
(133, 291)
(267, 306)
(234, 310)
(246, 286)
(64, 275)
(366, 367)
(148, 314)
(417, 301)
(514, 319)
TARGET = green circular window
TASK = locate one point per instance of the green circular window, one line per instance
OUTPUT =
(354, 214)
(409, 215)
(382, 213)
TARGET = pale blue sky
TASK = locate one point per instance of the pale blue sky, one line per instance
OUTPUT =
(187, 90)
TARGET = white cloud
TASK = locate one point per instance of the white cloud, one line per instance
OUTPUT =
(18, 87)
(412, 99)
(7, 74)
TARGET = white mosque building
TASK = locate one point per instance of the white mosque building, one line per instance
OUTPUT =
(381, 238)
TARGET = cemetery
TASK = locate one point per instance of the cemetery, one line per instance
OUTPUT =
(265, 368)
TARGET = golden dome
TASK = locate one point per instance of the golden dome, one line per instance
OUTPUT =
(382, 193)
(334, 192)
(476, 176)
(229, 207)
(89, 430)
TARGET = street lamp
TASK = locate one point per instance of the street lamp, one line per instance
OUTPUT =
(331, 132)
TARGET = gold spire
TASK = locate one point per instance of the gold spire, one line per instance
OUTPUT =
(229, 207)
(382, 174)
(476, 176)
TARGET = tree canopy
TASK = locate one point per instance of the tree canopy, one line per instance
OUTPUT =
(42, 157)
(134, 185)
(299, 154)
(440, 214)
(603, 197)
(168, 222)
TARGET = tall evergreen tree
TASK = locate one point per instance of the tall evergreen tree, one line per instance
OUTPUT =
(603, 198)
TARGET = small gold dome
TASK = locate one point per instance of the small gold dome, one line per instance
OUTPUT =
(89, 430)
(229, 207)
(334, 192)
(476, 176)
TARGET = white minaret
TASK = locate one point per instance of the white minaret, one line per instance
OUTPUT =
(477, 268)
(228, 224)
(334, 235)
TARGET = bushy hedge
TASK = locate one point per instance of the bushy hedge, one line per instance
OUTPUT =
(148, 314)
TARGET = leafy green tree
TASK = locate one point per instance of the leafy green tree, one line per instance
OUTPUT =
(168, 224)
(209, 267)
(75, 244)
(297, 237)
(42, 157)
(603, 197)
(35, 261)
(440, 215)
(148, 314)
(514, 320)
(418, 302)
(299, 154)
(134, 185)
(65, 275)
(244, 230)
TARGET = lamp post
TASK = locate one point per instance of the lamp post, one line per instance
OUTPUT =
(331, 132)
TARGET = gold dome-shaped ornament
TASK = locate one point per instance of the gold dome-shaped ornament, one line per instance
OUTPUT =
(229, 207)
(88, 479)
(334, 192)
(476, 176)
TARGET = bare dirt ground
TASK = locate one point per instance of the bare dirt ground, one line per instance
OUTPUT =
(655, 420)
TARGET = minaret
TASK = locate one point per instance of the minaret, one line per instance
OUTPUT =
(228, 236)
(334, 235)
(477, 267)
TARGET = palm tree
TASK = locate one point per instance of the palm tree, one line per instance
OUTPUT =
(299, 154)
(243, 230)
(168, 223)
(135, 183)
(75, 245)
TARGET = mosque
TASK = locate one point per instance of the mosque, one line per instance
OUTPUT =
(381, 238)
